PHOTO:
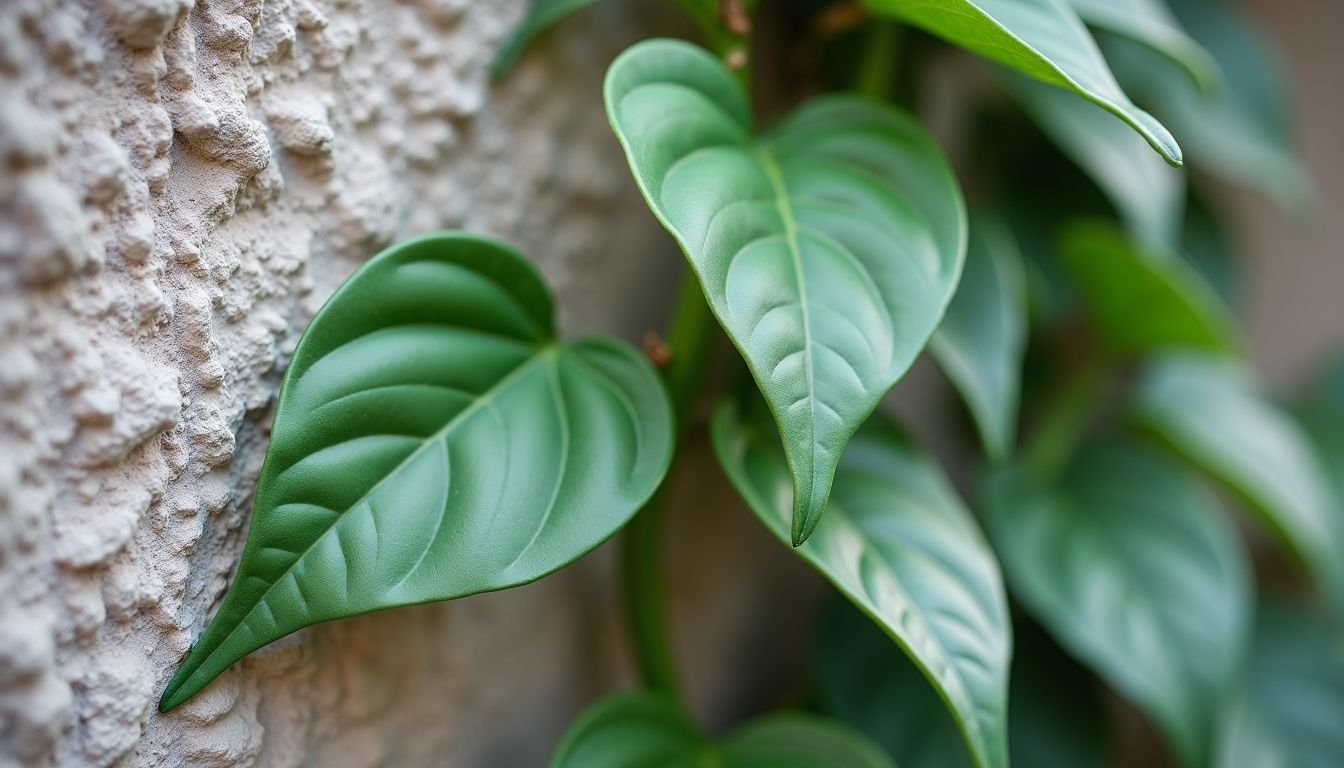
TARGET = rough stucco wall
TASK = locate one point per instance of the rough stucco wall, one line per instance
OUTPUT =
(182, 185)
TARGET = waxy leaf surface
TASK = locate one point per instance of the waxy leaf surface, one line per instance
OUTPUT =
(1041, 38)
(982, 338)
(828, 249)
(1133, 569)
(897, 542)
(1143, 299)
(645, 729)
(432, 440)
(1209, 410)
(1151, 23)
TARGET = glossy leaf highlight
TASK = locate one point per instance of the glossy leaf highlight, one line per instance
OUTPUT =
(1209, 410)
(828, 249)
(645, 729)
(1041, 38)
(983, 336)
(432, 440)
(1131, 567)
(898, 543)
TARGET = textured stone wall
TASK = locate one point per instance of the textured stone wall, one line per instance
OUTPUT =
(182, 184)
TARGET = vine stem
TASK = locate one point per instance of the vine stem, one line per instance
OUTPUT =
(690, 339)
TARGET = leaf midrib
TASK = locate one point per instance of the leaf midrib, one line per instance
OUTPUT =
(547, 352)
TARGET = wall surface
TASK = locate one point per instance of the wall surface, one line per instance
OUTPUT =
(183, 183)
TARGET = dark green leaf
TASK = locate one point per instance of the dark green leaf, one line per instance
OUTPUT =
(1208, 409)
(541, 16)
(645, 729)
(1147, 193)
(983, 335)
(1041, 38)
(1207, 245)
(898, 543)
(1054, 718)
(1240, 131)
(1288, 715)
(1151, 23)
(432, 440)
(1132, 569)
(828, 249)
(1142, 300)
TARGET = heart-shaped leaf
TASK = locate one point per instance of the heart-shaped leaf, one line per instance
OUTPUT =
(1241, 131)
(1289, 710)
(1133, 569)
(982, 338)
(1151, 23)
(541, 16)
(432, 440)
(645, 729)
(1209, 411)
(897, 542)
(828, 249)
(1148, 194)
(1141, 300)
(1041, 38)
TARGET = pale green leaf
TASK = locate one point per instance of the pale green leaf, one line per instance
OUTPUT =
(644, 729)
(897, 542)
(983, 336)
(1151, 23)
(1148, 194)
(1041, 38)
(827, 249)
(1241, 131)
(1133, 569)
(432, 440)
(1209, 410)
(1289, 711)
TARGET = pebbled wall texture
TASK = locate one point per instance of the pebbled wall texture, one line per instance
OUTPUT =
(181, 185)
(182, 182)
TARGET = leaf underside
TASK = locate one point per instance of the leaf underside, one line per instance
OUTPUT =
(897, 542)
(1041, 38)
(645, 729)
(1133, 569)
(827, 249)
(433, 441)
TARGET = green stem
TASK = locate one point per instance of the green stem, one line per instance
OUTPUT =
(690, 339)
(1065, 422)
(876, 76)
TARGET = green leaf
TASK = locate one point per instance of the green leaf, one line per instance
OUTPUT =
(827, 249)
(645, 729)
(1041, 38)
(1289, 711)
(541, 16)
(1141, 300)
(1208, 409)
(1207, 245)
(1150, 23)
(1147, 193)
(432, 440)
(1055, 718)
(898, 543)
(1131, 567)
(1240, 132)
(983, 336)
